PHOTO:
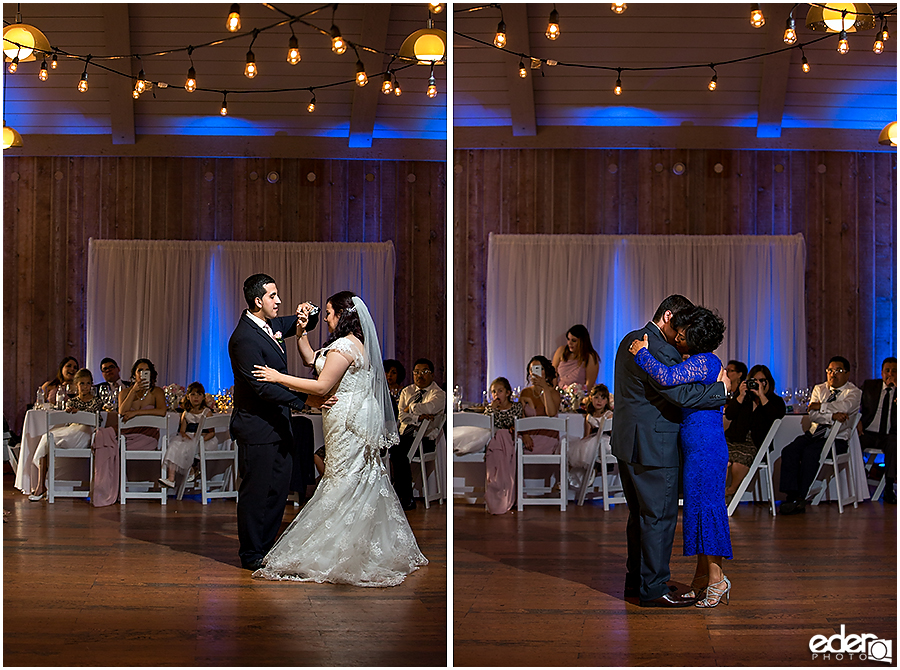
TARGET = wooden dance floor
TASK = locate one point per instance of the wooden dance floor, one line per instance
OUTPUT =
(544, 588)
(143, 584)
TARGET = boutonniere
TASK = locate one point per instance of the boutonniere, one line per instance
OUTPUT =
(278, 337)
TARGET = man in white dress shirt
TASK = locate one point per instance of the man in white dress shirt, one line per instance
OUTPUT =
(420, 401)
(835, 400)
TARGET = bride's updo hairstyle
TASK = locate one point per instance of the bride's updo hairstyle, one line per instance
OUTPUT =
(348, 319)
(704, 330)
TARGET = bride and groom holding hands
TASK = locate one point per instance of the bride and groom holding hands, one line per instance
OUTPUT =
(663, 403)
(353, 529)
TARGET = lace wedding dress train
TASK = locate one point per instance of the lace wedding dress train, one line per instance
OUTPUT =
(353, 530)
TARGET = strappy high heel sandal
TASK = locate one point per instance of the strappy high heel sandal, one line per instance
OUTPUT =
(697, 591)
(715, 593)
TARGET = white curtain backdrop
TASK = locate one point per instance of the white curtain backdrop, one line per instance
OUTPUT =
(177, 302)
(538, 286)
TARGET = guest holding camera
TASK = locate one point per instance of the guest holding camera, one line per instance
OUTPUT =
(750, 412)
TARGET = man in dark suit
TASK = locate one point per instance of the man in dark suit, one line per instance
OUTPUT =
(645, 442)
(261, 420)
(878, 424)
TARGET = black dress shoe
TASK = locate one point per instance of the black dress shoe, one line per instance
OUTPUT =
(792, 507)
(890, 498)
(408, 505)
(669, 600)
(635, 591)
(252, 565)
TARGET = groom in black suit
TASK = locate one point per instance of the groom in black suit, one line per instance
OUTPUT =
(261, 420)
(645, 442)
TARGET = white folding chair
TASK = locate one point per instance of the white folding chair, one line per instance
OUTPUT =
(417, 455)
(89, 419)
(181, 481)
(13, 451)
(830, 457)
(610, 482)
(135, 455)
(554, 423)
(869, 454)
(226, 452)
(470, 420)
(760, 466)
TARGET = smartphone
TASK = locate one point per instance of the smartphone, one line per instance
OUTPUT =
(145, 378)
(537, 369)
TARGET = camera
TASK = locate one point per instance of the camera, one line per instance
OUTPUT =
(752, 384)
(537, 369)
(145, 378)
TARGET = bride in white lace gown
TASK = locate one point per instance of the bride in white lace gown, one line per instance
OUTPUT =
(353, 530)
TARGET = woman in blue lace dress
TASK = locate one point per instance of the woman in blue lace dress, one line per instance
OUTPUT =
(705, 516)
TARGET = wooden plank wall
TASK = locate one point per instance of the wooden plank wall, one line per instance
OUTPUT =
(53, 205)
(845, 204)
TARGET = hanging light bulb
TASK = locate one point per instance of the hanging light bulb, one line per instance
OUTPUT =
(618, 89)
(338, 45)
(884, 35)
(713, 82)
(190, 84)
(311, 107)
(432, 87)
(397, 90)
(500, 37)
(843, 45)
(804, 64)
(43, 74)
(790, 31)
(553, 25)
(139, 85)
(387, 87)
(757, 20)
(53, 62)
(233, 22)
(250, 70)
(361, 78)
(293, 56)
(878, 46)
(618, 7)
(82, 84)
(522, 71)
(223, 111)
(436, 7)
(13, 65)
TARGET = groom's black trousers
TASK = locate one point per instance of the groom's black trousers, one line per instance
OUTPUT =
(265, 471)
(652, 497)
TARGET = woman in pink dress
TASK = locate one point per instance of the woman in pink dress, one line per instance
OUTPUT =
(143, 397)
(538, 399)
(576, 362)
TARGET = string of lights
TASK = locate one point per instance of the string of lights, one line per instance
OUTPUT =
(757, 20)
(143, 84)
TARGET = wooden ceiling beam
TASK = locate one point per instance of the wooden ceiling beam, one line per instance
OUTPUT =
(117, 32)
(776, 70)
(521, 91)
(365, 99)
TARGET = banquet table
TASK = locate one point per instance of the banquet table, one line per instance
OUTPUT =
(76, 469)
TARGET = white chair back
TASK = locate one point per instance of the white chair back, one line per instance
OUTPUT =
(830, 457)
(759, 466)
(418, 455)
(227, 453)
(554, 423)
(125, 455)
(57, 418)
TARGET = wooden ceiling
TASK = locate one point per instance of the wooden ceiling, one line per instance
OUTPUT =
(348, 121)
(842, 103)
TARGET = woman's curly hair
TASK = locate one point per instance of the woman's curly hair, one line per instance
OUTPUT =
(704, 330)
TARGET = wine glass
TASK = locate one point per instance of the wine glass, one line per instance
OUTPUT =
(457, 398)
(515, 394)
(787, 394)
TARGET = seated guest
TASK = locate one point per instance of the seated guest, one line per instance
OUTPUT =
(65, 375)
(581, 451)
(111, 385)
(835, 400)
(181, 451)
(70, 436)
(539, 398)
(576, 362)
(143, 397)
(420, 401)
(750, 412)
(394, 374)
(736, 373)
(878, 424)
(500, 455)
